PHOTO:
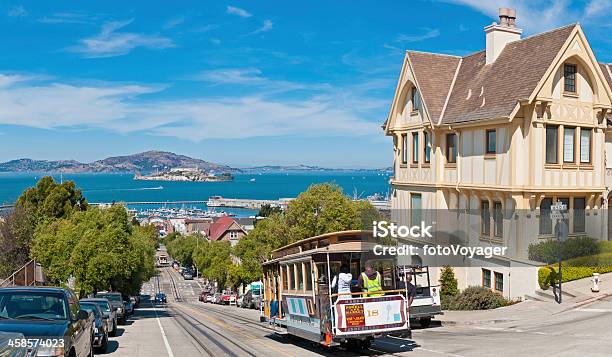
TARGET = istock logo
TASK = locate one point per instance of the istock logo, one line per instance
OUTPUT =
(383, 229)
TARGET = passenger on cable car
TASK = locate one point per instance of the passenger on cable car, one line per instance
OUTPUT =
(343, 280)
(370, 281)
(408, 284)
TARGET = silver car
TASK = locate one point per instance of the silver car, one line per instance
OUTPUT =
(8, 348)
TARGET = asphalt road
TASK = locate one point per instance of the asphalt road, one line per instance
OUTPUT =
(186, 327)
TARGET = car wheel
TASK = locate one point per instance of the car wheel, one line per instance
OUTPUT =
(91, 348)
(425, 322)
(104, 346)
(113, 333)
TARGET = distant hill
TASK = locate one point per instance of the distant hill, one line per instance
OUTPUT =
(277, 168)
(144, 162)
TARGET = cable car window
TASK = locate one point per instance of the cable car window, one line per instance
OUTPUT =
(300, 276)
(284, 277)
(292, 277)
(308, 276)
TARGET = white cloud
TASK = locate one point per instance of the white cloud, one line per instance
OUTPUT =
(120, 107)
(267, 26)
(541, 15)
(238, 11)
(428, 34)
(70, 18)
(174, 22)
(253, 77)
(597, 8)
(17, 11)
(109, 42)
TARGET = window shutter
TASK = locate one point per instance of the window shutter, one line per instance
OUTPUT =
(585, 146)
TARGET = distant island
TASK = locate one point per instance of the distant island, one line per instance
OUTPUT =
(185, 174)
(145, 162)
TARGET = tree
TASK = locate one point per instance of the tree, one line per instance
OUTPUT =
(99, 247)
(321, 209)
(45, 201)
(255, 248)
(182, 248)
(448, 287)
(214, 261)
(16, 234)
(49, 199)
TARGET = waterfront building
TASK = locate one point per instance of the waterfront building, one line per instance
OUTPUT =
(491, 140)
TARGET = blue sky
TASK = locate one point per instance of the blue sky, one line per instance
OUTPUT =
(240, 82)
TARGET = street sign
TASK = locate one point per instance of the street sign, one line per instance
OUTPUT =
(558, 211)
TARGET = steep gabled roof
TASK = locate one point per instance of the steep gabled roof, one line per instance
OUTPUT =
(220, 226)
(492, 91)
(434, 75)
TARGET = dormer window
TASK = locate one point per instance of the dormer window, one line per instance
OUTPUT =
(569, 78)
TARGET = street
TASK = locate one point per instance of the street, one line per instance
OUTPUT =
(187, 327)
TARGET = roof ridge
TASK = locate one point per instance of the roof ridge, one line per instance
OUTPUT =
(450, 90)
(433, 53)
(549, 31)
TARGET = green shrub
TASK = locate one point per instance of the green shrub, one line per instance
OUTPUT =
(546, 277)
(548, 251)
(478, 298)
(448, 283)
(576, 268)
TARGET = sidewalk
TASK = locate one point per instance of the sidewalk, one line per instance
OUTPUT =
(579, 294)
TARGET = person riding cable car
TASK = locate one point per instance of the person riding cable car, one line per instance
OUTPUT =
(370, 281)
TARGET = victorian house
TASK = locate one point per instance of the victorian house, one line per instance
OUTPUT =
(499, 136)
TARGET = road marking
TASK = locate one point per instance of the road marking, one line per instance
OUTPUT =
(439, 352)
(592, 310)
(163, 333)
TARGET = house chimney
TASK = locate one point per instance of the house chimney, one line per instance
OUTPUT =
(500, 35)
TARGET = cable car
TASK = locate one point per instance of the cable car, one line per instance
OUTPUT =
(299, 298)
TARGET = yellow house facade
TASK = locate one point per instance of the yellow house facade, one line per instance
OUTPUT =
(499, 136)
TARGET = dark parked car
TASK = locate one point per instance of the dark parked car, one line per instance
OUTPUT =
(188, 275)
(117, 303)
(51, 315)
(100, 332)
(160, 298)
(110, 315)
(129, 307)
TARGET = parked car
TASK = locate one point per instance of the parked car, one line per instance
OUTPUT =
(202, 296)
(216, 298)
(239, 300)
(100, 328)
(187, 275)
(250, 301)
(8, 347)
(110, 315)
(129, 307)
(210, 297)
(228, 297)
(49, 314)
(160, 298)
(116, 301)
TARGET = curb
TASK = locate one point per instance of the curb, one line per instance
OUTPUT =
(584, 303)
(472, 323)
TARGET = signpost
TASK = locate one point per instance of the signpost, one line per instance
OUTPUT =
(559, 213)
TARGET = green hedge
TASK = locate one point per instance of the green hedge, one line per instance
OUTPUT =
(548, 251)
(576, 268)
(477, 298)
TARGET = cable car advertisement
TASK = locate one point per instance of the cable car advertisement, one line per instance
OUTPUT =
(371, 315)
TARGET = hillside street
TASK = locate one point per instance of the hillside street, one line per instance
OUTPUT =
(528, 328)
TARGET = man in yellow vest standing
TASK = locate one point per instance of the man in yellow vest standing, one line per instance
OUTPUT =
(370, 281)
